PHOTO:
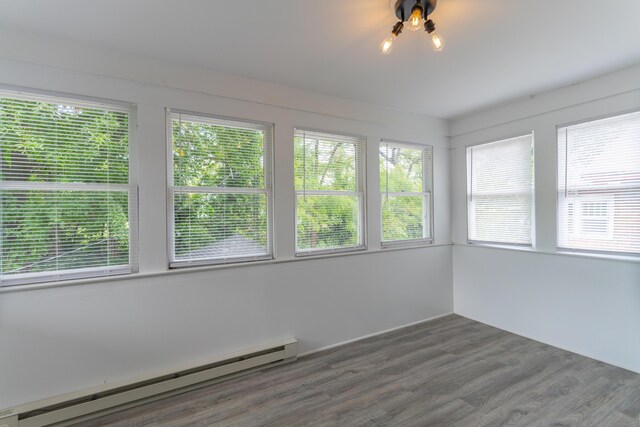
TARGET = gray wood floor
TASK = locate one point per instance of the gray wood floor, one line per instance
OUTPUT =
(448, 372)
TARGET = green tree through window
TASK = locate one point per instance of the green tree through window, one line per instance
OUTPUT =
(405, 181)
(65, 187)
(329, 196)
(220, 189)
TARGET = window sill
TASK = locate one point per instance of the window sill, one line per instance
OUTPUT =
(219, 262)
(595, 256)
(329, 252)
(405, 244)
(513, 247)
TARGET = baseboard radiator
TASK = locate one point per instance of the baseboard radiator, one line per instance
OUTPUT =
(107, 398)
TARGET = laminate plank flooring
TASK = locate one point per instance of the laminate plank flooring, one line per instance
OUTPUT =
(451, 371)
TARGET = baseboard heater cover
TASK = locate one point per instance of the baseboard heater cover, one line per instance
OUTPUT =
(81, 403)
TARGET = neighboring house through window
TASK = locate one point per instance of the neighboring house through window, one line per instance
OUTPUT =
(599, 185)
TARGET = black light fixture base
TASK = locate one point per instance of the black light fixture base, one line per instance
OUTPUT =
(403, 7)
(429, 26)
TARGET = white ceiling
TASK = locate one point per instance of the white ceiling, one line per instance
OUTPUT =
(497, 50)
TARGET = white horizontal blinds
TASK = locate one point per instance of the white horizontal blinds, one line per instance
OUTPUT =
(220, 189)
(599, 185)
(329, 191)
(405, 185)
(67, 208)
(500, 191)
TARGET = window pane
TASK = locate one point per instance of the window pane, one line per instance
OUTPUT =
(61, 162)
(501, 218)
(405, 169)
(217, 156)
(401, 168)
(57, 142)
(322, 163)
(229, 220)
(599, 185)
(63, 230)
(403, 217)
(329, 185)
(327, 222)
(209, 226)
(500, 191)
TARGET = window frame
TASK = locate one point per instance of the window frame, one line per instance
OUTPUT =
(361, 194)
(634, 256)
(426, 194)
(53, 278)
(268, 129)
(469, 194)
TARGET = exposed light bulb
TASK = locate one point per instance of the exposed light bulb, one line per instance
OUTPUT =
(415, 20)
(387, 44)
(437, 42)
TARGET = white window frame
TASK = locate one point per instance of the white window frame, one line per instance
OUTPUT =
(361, 157)
(53, 277)
(469, 195)
(426, 194)
(585, 195)
(172, 190)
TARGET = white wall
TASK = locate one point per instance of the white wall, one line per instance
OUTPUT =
(60, 339)
(586, 305)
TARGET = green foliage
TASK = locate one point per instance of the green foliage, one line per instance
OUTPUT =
(402, 217)
(206, 155)
(321, 165)
(217, 156)
(203, 219)
(401, 171)
(44, 142)
(326, 221)
(62, 229)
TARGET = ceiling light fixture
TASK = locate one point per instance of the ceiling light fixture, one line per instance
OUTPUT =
(415, 13)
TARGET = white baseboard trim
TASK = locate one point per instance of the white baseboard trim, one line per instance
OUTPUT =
(406, 325)
(91, 402)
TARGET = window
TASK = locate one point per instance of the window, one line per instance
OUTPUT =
(220, 188)
(500, 191)
(67, 202)
(405, 184)
(329, 189)
(599, 185)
